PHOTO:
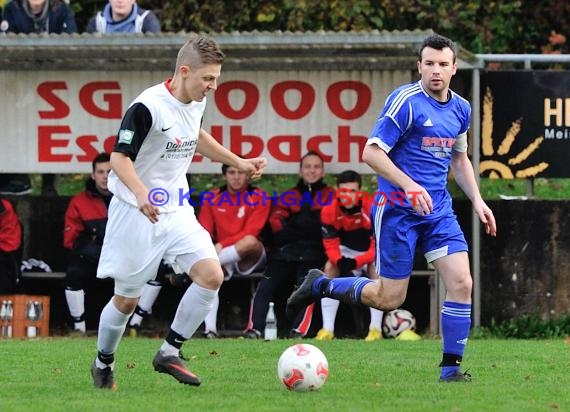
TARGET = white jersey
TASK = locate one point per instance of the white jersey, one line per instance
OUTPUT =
(159, 133)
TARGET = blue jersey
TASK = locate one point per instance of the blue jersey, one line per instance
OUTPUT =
(419, 134)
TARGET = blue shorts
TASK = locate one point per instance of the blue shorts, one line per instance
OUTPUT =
(399, 230)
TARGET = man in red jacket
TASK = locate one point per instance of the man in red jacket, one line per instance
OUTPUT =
(350, 247)
(234, 215)
(84, 231)
(10, 242)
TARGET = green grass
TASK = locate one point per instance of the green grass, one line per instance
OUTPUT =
(240, 375)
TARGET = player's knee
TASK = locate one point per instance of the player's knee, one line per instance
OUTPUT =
(124, 304)
(208, 274)
(462, 286)
(330, 270)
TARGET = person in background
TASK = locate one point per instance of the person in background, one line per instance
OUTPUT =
(350, 247)
(419, 136)
(10, 248)
(84, 231)
(38, 16)
(235, 217)
(296, 245)
(123, 16)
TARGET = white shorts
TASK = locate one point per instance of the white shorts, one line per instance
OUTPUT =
(234, 268)
(133, 246)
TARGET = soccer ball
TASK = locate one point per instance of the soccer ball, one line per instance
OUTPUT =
(302, 367)
(397, 321)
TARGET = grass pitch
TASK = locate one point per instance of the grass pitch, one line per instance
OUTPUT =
(52, 374)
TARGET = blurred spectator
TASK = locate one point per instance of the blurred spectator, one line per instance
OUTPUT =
(235, 218)
(123, 16)
(10, 248)
(34, 16)
(296, 245)
(350, 247)
(85, 222)
(38, 16)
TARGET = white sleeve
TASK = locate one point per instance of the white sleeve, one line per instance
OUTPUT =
(460, 144)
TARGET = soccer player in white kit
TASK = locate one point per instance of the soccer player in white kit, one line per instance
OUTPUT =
(149, 217)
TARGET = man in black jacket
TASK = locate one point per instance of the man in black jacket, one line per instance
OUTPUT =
(296, 244)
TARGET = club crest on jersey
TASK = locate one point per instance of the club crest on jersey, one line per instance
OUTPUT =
(126, 136)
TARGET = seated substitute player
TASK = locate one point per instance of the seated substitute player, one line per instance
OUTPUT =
(420, 134)
(83, 234)
(235, 217)
(349, 245)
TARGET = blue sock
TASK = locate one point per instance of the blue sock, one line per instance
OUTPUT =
(347, 290)
(455, 325)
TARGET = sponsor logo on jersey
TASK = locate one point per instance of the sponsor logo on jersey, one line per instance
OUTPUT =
(181, 148)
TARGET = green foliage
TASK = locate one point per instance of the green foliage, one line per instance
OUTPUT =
(520, 26)
(528, 327)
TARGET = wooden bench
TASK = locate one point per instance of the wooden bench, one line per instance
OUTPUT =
(436, 294)
(43, 275)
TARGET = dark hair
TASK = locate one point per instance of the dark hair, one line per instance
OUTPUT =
(437, 42)
(311, 153)
(225, 167)
(349, 176)
(100, 158)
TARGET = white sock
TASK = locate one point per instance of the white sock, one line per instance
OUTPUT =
(112, 325)
(329, 308)
(136, 320)
(228, 255)
(148, 297)
(76, 304)
(212, 317)
(376, 319)
(192, 309)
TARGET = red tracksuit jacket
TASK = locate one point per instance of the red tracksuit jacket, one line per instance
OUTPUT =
(349, 227)
(228, 218)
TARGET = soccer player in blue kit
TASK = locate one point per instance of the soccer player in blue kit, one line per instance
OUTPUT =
(420, 134)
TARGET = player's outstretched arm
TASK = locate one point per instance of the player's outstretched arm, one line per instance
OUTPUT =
(209, 147)
(465, 178)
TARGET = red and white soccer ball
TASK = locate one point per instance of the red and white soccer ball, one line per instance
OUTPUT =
(302, 367)
(397, 321)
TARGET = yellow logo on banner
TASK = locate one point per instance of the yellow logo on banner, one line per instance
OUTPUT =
(504, 170)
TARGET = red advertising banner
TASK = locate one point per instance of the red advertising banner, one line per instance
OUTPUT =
(56, 122)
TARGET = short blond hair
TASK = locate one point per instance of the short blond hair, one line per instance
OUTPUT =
(199, 51)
